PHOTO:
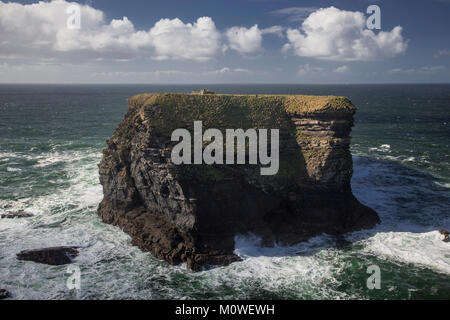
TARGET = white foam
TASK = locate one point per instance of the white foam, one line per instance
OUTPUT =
(9, 169)
(407, 234)
(443, 184)
(426, 249)
(305, 268)
(381, 148)
(113, 269)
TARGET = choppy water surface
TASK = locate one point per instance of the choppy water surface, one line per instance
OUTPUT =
(51, 139)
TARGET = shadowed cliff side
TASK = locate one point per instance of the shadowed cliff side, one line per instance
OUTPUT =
(191, 213)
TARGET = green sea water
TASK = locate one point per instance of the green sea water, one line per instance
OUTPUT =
(51, 139)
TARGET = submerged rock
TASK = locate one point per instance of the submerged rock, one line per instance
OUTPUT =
(4, 294)
(13, 215)
(53, 256)
(191, 213)
(446, 235)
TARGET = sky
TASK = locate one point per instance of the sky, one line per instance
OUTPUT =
(232, 41)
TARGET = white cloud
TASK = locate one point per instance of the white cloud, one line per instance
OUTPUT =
(173, 76)
(307, 69)
(40, 30)
(341, 69)
(162, 73)
(294, 14)
(44, 72)
(418, 71)
(174, 39)
(228, 71)
(245, 40)
(249, 40)
(334, 34)
(442, 53)
(277, 30)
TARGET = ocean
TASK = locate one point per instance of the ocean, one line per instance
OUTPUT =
(51, 138)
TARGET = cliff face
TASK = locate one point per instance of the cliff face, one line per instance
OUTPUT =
(191, 213)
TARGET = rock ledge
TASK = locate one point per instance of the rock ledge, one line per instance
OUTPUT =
(54, 256)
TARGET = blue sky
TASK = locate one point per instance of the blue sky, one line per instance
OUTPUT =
(245, 41)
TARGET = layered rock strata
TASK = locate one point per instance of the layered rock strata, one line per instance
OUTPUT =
(192, 213)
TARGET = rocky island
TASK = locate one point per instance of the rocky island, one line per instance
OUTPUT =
(192, 213)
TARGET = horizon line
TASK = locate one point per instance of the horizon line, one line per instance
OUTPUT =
(224, 83)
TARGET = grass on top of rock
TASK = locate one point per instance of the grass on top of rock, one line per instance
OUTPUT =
(163, 113)
(292, 104)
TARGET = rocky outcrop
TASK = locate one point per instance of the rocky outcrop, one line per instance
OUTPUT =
(4, 294)
(446, 235)
(53, 256)
(191, 213)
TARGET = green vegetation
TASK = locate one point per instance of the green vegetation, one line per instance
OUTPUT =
(163, 113)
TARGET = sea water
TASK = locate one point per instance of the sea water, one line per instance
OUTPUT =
(51, 138)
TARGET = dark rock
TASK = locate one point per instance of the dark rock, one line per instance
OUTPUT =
(446, 235)
(53, 256)
(191, 214)
(12, 215)
(4, 294)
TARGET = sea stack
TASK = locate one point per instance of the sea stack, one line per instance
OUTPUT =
(192, 213)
